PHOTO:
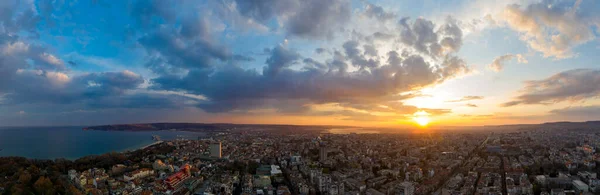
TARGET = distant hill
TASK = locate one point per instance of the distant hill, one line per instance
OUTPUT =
(155, 127)
(197, 127)
(551, 125)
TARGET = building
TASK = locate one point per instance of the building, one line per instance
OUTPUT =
(137, 174)
(580, 187)
(215, 150)
(261, 181)
(372, 191)
(175, 182)
(72, 174)
(405, 188)
(323, 154)
(159, 165)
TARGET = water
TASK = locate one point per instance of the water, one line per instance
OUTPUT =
(73, 143)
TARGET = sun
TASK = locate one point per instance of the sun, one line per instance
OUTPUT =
(421, 118)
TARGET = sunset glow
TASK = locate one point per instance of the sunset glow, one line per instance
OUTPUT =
(366, 63)
(421, 118)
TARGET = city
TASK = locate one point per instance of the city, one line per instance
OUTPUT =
(274, 161)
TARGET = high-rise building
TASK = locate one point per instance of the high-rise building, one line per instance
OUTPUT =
(215, 149)
(323, 154)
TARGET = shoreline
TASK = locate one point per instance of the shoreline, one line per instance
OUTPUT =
(133, 149)
(152, 144)
(31, 143)
(141, 148)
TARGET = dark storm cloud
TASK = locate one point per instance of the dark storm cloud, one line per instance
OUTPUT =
(571, 85)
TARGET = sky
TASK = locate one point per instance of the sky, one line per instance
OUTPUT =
(307, 62)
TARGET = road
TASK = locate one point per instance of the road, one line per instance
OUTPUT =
(453, 172)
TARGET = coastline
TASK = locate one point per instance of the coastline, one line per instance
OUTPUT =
(152, 144)
(48, 143)
(143, 147)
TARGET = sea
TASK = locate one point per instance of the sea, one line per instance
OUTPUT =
(73, 142)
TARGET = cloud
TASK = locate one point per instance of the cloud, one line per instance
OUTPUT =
(320, 50)
(190, 50)
(174, 49)
(471, 105)
(72, 63)
(16, 47)
(355, 74)
(498, 64)
(425, 38)
(319, 18)
(466, 98)
(31, 75)
(35, 86)
(301, 18)
(580, 111)
(52, 61)
(280, 58)
(571, 85)
(382, 36)
(375, 11)
(358, 57)
(553, 28)
(232, 88)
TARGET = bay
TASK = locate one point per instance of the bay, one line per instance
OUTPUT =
(73, 142)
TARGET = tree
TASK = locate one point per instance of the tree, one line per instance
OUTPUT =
(44, 186)
(73, 191)
(24, 178)
(146, 192)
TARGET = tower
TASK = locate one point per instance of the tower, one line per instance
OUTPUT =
(215, 149)
(322, 154)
